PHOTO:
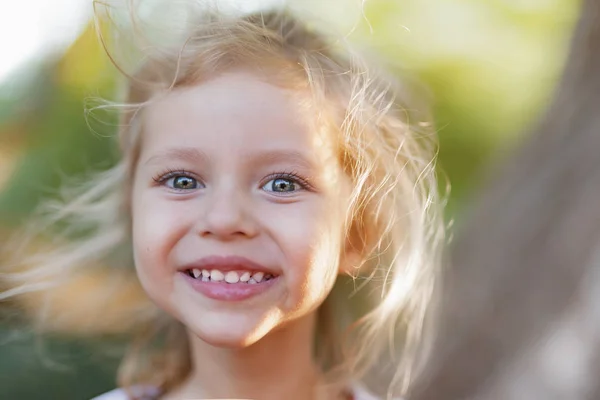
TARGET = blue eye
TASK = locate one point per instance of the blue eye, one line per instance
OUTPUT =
(281, 185)
(182, 182)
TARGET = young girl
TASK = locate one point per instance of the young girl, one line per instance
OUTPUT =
(282, 217)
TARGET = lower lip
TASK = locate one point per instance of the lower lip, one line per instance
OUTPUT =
(229, 291)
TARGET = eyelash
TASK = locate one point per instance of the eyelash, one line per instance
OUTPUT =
(292, 176)
(170, 173)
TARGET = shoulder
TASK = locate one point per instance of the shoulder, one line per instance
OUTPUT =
(362, 393)
(116, 394)
(144, 393)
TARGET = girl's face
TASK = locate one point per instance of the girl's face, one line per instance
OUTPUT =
(238, 208)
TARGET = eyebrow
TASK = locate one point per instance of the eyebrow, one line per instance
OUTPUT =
(294, 157)
(190, 154)
(195, 155)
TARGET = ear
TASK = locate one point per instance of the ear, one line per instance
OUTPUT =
(354, 250)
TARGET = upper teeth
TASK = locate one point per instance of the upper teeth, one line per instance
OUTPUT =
(230, 276)
(216, 275)
(245, 277)
(258, 276)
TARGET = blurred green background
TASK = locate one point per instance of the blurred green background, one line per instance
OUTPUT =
(488, 69)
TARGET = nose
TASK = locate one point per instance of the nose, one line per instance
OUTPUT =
(226, 215)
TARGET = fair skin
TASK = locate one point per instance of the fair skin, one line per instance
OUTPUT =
(234, 166)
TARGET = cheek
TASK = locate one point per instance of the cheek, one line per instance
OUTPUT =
(325, 243)
(309, 236)
(157, 227)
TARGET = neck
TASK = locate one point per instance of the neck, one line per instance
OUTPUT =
(279, 366)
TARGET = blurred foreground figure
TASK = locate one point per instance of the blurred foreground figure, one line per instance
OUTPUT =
(521, 309)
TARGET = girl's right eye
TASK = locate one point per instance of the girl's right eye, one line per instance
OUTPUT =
(182, 182)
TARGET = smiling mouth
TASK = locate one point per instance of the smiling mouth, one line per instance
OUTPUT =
(231, 277)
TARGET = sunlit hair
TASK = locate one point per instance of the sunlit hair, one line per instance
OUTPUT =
(371, 325)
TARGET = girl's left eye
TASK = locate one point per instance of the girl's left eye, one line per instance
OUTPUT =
(282, 185)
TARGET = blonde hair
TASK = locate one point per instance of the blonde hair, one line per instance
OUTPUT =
(395, 216)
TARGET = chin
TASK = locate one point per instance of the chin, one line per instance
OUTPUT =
(225, 341)
(227, 333)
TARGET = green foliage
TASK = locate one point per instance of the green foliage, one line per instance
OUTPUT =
(54, 367)
(63, 147)
(490, 68)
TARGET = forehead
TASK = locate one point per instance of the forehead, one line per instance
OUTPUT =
(239, 109)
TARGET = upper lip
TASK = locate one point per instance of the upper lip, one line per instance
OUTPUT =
(227, 263)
